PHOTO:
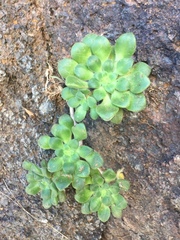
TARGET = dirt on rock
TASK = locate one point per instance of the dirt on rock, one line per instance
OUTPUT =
(34, 35)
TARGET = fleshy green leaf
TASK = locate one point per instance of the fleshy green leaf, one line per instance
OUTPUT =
(43, 142)
(93, 113)
(62, 181)
(85, 151)
(99, 93)
(80, 113)
(106, 110)
(46, 194)
(59, 152)
(104, 213)
(78, 183)
(46, 203)
(122, 84)
(94, 160)
(97, 179)
(74, 102)
(101, 47)
(55, 143)
(66, 67)
(80, 52)
(79, 131)
(62, 132)
(85, 209)
(137, 103)
(83, 196)
(89, 39)
(119, 201)
(108, 65)
(30, 177)
(139, 82)
(125, 46)
(109, 175)
(107, 200)
(95, 204)
(91, 102)
(66, 120)
(61, 196)
(32, 167)
(67, 93)
(124, 184)
(69, 167)
(94, 63)
(55, 164)
(123, 66)
(118, 117)
(110, 87)
(74, 82)
(121, 99)
(78, 99)
(33, 188)
(82, 169)
(82, 72)
(73, 144)
(142, 67)
(93, 83)
(116, 211)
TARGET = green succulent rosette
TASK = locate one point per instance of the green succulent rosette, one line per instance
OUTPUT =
(70, 164)
(76, 165)
(102, 79)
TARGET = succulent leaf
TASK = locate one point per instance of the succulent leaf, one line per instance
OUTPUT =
(89, 39)
(122, 84)
(79, 131)
(142, 67)
(101, 47)
(80, 52)
(82, 169)
(82, 72)
(116, 211)
(62, 132)
(66, 67)
(66, 121)
(94, 63)
(62, 181)
(123, 66)
(121, 99)
(83, 195)
(125, 46)
(109, 175)
(104, 213)
(139, 82)
(55, 143)
(94, 160)
(137, 102)
(118, 117)
(95, 203)
(102, 109)
(85, 209)
(74, 82)
(43, 142)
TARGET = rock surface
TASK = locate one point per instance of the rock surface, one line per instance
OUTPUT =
(34, 35)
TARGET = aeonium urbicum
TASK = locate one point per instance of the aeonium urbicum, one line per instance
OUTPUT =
(79, 166)
(103, 79)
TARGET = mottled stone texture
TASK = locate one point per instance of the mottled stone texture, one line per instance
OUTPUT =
(34, 35)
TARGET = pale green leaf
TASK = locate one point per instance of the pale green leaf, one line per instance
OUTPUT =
(80, 52)
(66, 67)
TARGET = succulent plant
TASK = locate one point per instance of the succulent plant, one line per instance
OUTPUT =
(103, 79)
(77, 165)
